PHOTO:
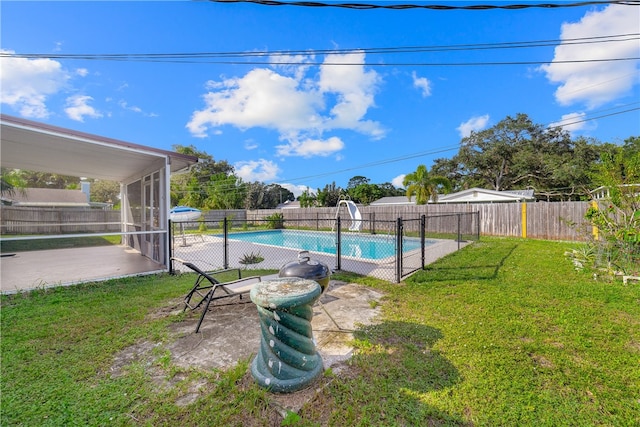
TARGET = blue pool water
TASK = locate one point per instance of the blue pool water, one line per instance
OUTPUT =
(356, 245)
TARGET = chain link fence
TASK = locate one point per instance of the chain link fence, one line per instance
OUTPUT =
(388, 250)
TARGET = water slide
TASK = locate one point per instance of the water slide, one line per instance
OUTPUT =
(354, 213)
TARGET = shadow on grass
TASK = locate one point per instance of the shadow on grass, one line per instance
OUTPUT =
(396, 369)
(479, 263)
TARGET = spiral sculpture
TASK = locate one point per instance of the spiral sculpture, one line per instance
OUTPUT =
(287, 360)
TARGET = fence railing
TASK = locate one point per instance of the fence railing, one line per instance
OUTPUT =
(23, 220)
(389, 250)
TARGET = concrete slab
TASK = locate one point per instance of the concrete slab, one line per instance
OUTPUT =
(25, 271)
(231, 332)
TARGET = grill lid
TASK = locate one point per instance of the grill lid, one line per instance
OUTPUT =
(306, 268)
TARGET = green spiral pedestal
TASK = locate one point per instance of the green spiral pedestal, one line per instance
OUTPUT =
(287, 360)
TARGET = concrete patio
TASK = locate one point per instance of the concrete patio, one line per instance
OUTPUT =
(230, 333)
(24, 271)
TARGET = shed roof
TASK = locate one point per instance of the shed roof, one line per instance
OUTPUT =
(289, 205)
(482, 195)
(48, 197)
(394, 200)
(30, 145)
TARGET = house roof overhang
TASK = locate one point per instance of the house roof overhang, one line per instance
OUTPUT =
(481, 195)
(40, 147)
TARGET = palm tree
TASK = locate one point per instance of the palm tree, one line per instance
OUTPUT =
(11, 181)
(424, 185)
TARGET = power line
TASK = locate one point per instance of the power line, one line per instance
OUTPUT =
(271, 57)
(438, 150)
(365, 6)
(367, 50)
(562, 124)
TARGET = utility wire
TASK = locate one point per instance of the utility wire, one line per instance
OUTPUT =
(343, 51)
(563, 124)
(365, 6)
(438, 150)
(271, 57)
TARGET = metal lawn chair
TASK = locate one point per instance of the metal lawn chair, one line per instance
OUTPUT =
(207, 288)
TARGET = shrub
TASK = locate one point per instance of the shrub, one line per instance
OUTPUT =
(251, 258)
(275, 221)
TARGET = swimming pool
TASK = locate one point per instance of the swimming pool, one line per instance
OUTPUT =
(374, 247)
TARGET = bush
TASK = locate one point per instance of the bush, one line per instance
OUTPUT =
(275, 221)
(252, 258)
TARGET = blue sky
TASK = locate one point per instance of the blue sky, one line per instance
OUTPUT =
(310, 100)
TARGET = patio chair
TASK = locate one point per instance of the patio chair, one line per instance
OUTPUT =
(207, 288)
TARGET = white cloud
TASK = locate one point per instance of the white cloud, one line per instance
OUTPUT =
(78, 108)
(82, 72)
(311, 147)
(422, 83)
(250, 144)
(295, 65)
(262, 98)
(125, 106)
(397, 181)
(596, 83)
(573, 122)
(26, 84)
(354, 88)
(299, 108)
(257, 170)
(473, 124)
(297, 190)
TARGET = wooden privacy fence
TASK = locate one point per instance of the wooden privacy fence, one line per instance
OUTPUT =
(540, 220)
(23, 220)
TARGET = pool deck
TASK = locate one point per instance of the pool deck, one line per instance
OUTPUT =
(24, 271)
(206, 252)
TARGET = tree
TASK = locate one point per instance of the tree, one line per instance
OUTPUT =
(33, 179)
(261, 196)
(329, 195)
(618, 220)
(255, 195)
(366, 193)
(278, 194)
(357, 180)
(11, 181)
(488, 156)
(424, 185)
(389, 190)
(208, 184)
(452, 169)
(104, 191)
(517, 154)
(307, 199)
(225, 192)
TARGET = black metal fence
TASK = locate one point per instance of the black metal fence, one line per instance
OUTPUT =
(389, 250)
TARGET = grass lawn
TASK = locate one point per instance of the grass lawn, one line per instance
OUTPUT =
(502, 333)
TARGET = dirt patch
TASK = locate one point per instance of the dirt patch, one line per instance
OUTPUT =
(542, 361)
(135, 353)
(172, 308)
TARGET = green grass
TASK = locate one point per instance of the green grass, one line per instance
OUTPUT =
(503, 333)
(60, 243)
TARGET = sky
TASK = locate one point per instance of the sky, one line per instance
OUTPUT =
(308, 96)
